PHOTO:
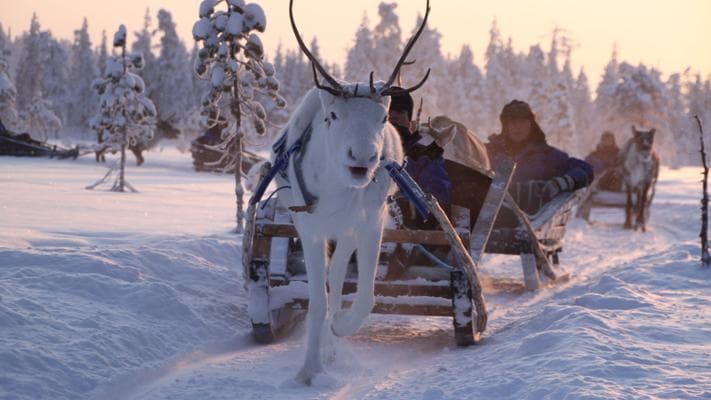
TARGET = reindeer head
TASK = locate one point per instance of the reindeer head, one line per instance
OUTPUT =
(356, 114)
(643, 139)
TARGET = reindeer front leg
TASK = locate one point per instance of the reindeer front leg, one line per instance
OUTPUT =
(347, 322)
(337, 272)
(628, 208)
(315, 259)
(642, 205)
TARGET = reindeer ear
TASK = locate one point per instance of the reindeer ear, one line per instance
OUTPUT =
(652, 132)
(634, 130)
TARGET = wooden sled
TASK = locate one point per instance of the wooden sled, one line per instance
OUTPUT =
(276, 281)
(538, 240)
(596, 197)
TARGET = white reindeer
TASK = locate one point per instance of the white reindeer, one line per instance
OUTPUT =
(640, 169)
(337, 192)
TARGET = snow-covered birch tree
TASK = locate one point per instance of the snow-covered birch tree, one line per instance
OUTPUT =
(126, 115)
(232, 57)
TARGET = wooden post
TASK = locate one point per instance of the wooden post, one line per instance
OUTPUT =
(705, 256)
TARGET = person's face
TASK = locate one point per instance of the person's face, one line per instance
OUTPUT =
(607, 141)
(399, 118)
(517, 130)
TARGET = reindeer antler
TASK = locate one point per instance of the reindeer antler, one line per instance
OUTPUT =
(335, 88)
(387, 90)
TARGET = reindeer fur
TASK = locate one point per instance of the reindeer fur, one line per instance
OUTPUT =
(350, 208)
(640, 169)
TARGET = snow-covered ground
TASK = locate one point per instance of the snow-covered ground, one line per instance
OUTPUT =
(139, 296)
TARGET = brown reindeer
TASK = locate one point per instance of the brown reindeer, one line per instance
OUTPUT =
(640, 169)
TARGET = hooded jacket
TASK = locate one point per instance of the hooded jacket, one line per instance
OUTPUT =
(537, 162)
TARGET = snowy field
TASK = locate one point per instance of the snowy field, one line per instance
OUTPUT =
(139, 296)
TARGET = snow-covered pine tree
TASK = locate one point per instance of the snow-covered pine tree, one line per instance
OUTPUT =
(358, 61)
(698, 98)
(8, 106)
(39, 119)
(640, 99)
(428, 54)
(5, 41)
(588, 130)
(82, 73)
(498, 80)
(173, 79)
(143, 44)
(686, 139)
(462, 102)
(28, 76)
(387, 42)
(55, 77)
(34, 112)
(558, 118)
(232, 57)
(126, 115)
(103, 53)
(604, 104)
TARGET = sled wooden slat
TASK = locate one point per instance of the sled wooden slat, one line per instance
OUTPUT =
(437, 238)
(391, 289)
(393, 308)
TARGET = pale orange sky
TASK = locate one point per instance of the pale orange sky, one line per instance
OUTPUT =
(670, 35)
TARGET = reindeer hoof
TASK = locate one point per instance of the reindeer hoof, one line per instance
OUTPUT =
(306, 375)
(343, 324)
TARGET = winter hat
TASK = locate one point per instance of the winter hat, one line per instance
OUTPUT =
(402, 102)
(521, 109)
(516, 109)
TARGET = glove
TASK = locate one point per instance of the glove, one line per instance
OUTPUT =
(557, 185)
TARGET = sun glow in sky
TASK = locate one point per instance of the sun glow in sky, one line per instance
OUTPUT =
(671, 35)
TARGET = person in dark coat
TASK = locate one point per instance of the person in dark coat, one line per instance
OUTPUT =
(424, 163)
(542, 170)
(605, 162)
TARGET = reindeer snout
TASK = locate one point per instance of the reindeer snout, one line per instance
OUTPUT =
(362, 157)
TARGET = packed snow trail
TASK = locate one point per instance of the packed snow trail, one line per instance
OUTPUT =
(139, 296)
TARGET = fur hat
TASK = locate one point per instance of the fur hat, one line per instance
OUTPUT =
(516, 109)
(520, 109)
(402, 102)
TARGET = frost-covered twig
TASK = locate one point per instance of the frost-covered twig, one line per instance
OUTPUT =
(705, 256)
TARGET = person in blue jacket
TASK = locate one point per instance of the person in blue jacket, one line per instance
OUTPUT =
(542, 170)
(425, 163)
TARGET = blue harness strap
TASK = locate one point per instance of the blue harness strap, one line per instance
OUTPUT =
(408, 187)
(281, 161)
